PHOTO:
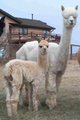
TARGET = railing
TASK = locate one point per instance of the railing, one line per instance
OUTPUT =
(16, 37)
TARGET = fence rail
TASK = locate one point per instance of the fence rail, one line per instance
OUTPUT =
(16, 37)
(8, 49)
(9, 46)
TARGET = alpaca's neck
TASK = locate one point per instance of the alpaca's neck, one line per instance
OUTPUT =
(42, 60)
(65, 43)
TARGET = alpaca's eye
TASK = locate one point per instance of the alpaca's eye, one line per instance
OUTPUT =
(65, 17)
(47, 46)
(40, 46)
(74, 17)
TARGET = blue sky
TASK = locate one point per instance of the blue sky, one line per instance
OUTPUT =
(48, 11)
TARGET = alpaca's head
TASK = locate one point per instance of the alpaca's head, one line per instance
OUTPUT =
(2, 24)
(43, 46)
(69, 16)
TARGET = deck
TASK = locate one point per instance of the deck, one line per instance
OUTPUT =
(20, 38)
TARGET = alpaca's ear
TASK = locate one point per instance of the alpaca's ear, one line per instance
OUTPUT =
(48, 39)
(2, 19)
(76, 7)
(62, 8)
(39, 40)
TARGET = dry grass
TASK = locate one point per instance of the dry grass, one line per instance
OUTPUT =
(68, 107)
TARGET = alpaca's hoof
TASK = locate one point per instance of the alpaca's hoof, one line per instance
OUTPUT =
(21, 103)
(10, 114)
(39, 104)
(51, 104)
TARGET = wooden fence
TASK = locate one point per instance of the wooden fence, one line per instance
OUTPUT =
(71, 48)
(20, 38)
(11, 44)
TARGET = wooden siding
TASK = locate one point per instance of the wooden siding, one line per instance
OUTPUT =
(37, 31)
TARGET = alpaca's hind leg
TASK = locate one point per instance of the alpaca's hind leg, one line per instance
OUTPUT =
(33, 97)
(15, 98)
(8, 97)
(30, 90)
(20, 96)
(26, 88)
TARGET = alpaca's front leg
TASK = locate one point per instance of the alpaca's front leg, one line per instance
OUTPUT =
(51, 90)
(33, 97)
(30, 91)
(20, 96)
(9, 109)
(15, 98)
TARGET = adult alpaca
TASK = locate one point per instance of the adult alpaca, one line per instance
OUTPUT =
(2, 25)
(20, 72)
(58, 55)
(78, 56)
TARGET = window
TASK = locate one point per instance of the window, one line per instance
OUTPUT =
(2, 52)
(23, 30)
(3, 28)
(3, 32)
(46, 32)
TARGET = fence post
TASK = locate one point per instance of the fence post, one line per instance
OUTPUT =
(31, 35)
(71, 52)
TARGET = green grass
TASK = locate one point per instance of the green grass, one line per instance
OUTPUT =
(68, 102)
(68, 108)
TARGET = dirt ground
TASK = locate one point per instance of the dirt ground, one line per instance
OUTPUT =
(73, 69)
(71, 77)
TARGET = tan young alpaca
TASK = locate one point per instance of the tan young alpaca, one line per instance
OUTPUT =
(20, 72)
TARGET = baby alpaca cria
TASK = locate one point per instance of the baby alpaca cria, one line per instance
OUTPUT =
(20, 72)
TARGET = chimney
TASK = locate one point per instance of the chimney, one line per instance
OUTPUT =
(32, 16)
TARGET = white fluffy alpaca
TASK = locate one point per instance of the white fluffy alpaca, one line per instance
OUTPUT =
(58, 55)
(19, 72)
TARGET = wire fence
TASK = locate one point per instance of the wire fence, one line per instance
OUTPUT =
(8, 50)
